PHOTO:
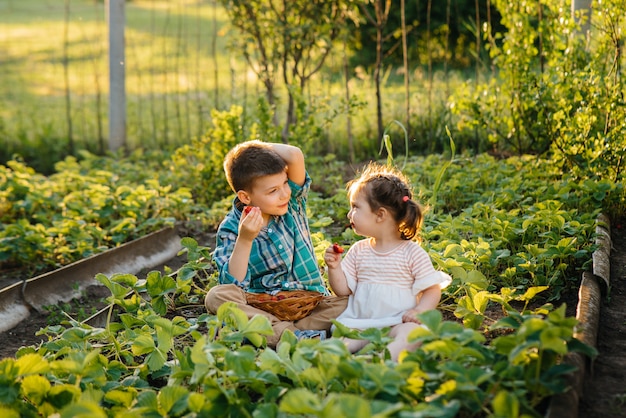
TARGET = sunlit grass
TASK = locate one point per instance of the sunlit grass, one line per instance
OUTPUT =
(178, 68)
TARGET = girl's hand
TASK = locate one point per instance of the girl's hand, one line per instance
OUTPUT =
(411, 316)
(332, 256)
(250, 223)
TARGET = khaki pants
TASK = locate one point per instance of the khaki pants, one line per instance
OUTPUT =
(328, 309)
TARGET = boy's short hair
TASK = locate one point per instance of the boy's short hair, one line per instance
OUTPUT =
(250, 160)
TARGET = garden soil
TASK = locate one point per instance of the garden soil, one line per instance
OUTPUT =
(605, 382)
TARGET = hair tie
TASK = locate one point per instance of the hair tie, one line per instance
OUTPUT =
(405, 199)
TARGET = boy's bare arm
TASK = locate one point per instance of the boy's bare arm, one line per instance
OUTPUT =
(238, 263)
(293, 156)
(250, 225)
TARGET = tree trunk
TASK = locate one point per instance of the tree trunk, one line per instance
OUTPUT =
(377, 70)
(346, 71)
(430, 72)
(405, 58)
(291, 118)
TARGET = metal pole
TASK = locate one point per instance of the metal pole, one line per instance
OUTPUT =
(581, 12)
(117, 85)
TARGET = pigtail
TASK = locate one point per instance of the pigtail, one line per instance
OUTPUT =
(410, 224)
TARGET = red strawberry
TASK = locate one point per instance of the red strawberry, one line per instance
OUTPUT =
(247, 209)
(337, 248)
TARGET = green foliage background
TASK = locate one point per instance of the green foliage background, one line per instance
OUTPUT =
(514, 228)
(536, 84)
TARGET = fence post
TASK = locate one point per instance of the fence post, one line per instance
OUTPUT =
(117, 83)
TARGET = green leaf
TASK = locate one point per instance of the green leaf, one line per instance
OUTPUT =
(432, 319)
(9, 391)
(531, 292)
(506, 405)
(229, 312)
(577, 346)
(158, 284)
(256, 327)
(156, 360)
(186, 273)
(242, 362)
(83, 409)
(123, 396)
(189, 243)
(532, 326)
(477, 279)
(300, 402)
(35, 388)
(148, 400)
(118, 291)
(32, 364)
(173, 399)
(6, 412)
(143, 344)
(63, 395)
(195, 402)
(472, 320)
(125, 279)
(551, 340)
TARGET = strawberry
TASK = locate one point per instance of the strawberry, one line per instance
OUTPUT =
(337, 248)
(247, 209)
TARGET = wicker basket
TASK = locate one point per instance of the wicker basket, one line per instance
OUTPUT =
(286, 305)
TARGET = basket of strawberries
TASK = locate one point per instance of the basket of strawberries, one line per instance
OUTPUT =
(286, 305)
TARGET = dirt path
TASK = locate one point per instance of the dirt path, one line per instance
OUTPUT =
(605, 387)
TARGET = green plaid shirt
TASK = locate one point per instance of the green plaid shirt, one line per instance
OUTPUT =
(282, 255)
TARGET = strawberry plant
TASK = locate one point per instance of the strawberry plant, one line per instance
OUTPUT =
(514, 234)
(143, 362)
(48, 222)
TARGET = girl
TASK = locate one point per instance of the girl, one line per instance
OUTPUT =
(388, 276)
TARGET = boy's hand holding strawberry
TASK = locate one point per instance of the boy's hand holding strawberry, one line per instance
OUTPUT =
(250, 223)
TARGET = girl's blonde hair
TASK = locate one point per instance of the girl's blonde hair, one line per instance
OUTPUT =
(389, 188)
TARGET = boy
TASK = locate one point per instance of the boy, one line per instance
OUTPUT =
(264, 243)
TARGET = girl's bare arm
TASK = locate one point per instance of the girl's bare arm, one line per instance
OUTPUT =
(427, 300)
(336, 277)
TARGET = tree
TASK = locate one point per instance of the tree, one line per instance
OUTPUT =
(288, 38)
(379, 21)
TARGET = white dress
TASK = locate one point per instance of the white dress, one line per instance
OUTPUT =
(385, 285)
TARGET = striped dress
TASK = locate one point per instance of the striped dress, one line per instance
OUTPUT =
(385, 285)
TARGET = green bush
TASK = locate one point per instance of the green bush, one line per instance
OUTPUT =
(553, 93)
